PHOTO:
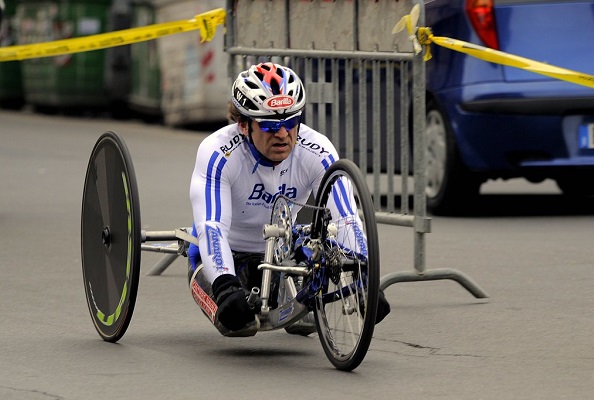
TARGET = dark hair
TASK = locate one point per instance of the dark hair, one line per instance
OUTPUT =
(234, 115)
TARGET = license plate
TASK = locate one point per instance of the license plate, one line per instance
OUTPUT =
(587, 136)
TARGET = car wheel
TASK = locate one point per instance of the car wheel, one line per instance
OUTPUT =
(450, 187)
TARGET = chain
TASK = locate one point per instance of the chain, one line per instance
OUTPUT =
(301, 204)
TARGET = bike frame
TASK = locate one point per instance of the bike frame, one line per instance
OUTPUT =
(293, 303)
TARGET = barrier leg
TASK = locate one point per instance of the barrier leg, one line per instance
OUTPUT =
(432, 275)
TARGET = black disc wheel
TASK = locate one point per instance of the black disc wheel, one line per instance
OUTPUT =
(346, 306)
(110, 237)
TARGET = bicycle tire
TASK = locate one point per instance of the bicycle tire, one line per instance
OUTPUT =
(346, 307)
(110, 237)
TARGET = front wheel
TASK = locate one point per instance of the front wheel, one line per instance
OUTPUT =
(346, 306)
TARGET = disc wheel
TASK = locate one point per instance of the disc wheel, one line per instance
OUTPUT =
(346, 306)
(110, 237)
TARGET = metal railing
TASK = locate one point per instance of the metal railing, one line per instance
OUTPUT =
(365, 88)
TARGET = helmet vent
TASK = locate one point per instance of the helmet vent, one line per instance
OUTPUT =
(274, 87)
(300, 96)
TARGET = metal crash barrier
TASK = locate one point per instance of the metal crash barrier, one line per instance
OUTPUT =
(359, 78)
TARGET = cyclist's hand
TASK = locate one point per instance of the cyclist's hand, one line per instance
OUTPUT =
(233, 310)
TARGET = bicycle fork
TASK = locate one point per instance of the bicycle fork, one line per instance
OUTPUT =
(271, 233)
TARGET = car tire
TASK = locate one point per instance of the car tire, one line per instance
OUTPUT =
(451, 189)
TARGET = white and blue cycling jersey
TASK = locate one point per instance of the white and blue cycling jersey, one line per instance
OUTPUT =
(233, 189)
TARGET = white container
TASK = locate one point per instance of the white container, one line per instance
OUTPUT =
(194, 82)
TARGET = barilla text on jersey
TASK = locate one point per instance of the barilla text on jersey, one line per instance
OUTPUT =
(258, 193)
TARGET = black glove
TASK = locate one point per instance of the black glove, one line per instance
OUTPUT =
(233, 310)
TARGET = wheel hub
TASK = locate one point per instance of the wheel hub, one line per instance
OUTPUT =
(106, 236)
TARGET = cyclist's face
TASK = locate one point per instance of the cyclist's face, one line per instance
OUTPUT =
(274, 146)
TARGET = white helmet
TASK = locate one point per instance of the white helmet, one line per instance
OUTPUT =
(268, 90)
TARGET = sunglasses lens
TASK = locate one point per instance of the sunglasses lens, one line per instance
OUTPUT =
(271, 126)
(292, 122)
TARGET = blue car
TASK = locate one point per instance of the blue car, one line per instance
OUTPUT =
(487, 121)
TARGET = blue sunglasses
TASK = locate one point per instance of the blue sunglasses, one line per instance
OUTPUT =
(274, 125)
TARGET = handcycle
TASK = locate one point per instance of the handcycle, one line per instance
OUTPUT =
(329, 267)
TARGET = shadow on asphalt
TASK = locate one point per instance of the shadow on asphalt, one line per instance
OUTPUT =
(504, 205)
(516, 205)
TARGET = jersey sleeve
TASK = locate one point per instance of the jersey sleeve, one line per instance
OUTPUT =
(210, 196)
(341, 203)
(345, 216)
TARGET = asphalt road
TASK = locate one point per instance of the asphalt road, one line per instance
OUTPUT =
(527, 246)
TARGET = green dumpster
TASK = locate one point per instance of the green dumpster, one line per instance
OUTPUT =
(11, 88)
(72, 80)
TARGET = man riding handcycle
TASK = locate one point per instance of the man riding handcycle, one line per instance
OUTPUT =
(239, 171)
(251, 266)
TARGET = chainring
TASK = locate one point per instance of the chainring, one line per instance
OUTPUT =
(281, 217)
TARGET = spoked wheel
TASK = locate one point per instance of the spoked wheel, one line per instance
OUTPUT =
(346, 307)
(110, 237)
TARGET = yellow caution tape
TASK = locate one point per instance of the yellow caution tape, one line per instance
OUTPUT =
(500, 57)
(425, 37)
(409, 22)
(206, 23)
